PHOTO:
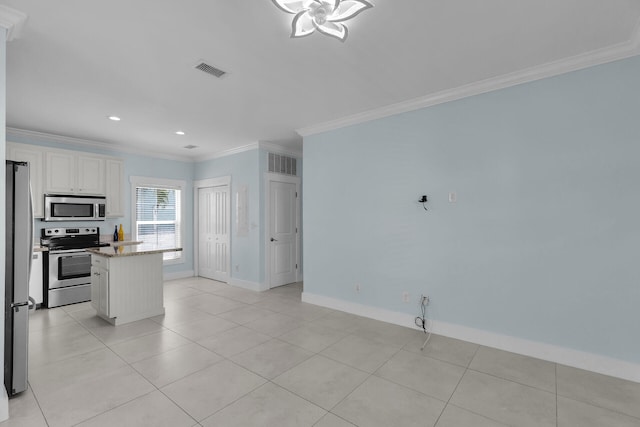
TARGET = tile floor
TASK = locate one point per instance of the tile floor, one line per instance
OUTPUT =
(223, 356)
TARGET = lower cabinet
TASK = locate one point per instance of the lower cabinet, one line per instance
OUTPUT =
(127, 288)
(100, 285)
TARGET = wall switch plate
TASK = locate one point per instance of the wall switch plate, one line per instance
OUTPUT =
(453, 197)
(357, 287)
(405, 296)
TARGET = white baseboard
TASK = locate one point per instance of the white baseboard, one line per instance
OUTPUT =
(552, 353)
(178, 275)
(245, 284)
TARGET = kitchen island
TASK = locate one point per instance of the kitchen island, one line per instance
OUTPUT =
(127, 283)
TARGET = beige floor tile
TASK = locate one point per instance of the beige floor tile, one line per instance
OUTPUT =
(573, 413)
(137, 349)
(385, 333)
(238, 294)
(505, 401)
(202, 328)
(175, 364)
(245, 314)
(153, 409)
(458, 417)
(46, 318)
(234, 341)
(179, 292)
(206, 392)
(82, 368)
(24, 412)
(432, 377)
(378, 402)
(360, 353)
(443, 348)
(514, 367)
(212, 304)
(599, 390)
(275, 324)
(177, 313)
(110, 334)
(269, 405)
(271, 358)
(83, 400)
(60, 342)
(331, 420)
(313, 338)
(321, 381)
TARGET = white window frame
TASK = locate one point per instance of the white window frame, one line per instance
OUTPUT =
(173, 184)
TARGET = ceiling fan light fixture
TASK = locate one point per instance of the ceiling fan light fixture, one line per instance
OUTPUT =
(327, 17)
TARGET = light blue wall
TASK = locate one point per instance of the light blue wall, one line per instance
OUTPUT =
(134, 165)
(543, 241)
(244, 170)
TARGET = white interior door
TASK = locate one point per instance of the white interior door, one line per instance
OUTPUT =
(283, 241)
(213, 237)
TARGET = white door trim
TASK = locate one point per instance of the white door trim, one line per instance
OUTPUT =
(268, 178)
(197, 185)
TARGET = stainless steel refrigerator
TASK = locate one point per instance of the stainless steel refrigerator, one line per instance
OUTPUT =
(19, 247)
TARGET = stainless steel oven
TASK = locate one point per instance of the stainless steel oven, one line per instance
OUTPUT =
(69, 264)
(69, 277)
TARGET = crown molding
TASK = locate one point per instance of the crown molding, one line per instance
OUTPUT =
(78, 142)
(278, 149)
(13, 21)
(229, 152)
(597, 57)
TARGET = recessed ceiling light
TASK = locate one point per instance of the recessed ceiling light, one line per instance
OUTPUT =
(179, 132)
(114, 118)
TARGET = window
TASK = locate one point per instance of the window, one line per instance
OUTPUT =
(157, 214)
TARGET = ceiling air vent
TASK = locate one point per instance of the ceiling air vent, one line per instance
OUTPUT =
(190, 147)
(210, 69)
(282, 164)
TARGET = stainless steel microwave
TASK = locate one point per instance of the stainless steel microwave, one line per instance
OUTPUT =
(59, 207)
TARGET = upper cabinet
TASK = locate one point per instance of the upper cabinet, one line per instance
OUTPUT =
(114, 186)
(71, 172)
(33, 155)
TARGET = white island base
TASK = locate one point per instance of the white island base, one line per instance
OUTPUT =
(126, 288)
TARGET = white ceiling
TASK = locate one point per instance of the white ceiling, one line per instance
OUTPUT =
(78, 61)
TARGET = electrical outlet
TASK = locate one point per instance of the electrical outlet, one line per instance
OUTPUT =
(237, 267)
(357, 287)
(405, 296)
(424, 299)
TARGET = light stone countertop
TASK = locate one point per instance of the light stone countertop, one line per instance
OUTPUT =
(130, 249)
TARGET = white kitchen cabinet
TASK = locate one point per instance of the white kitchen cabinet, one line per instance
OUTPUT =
(126, 288)
(36, 278)
(27, 153)
(60, 172)
(114, 187)
(100, 285)
(90, 175)
(68, 172)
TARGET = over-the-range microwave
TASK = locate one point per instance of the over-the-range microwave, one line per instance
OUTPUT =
(61, 207)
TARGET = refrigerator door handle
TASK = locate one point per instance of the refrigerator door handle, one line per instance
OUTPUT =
(32, 303)
(30, 230)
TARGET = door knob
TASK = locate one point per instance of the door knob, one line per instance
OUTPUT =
(273, 240)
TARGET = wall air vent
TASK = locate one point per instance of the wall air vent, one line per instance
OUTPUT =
(282, 164)
(210, 69)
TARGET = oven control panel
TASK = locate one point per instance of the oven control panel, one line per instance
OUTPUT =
(49, 232)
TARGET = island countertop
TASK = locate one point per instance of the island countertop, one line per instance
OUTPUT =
(128, 250)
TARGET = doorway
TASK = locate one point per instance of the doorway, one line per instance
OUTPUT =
(282, 229)
(213, 229)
